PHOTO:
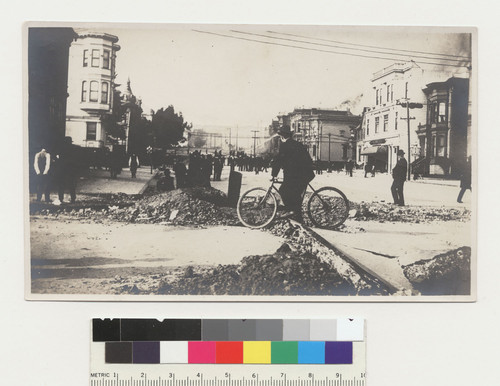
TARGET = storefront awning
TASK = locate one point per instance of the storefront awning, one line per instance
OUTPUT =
(371, 150)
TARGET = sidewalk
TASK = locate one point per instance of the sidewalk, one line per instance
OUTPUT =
(99, 181)
(383, 249)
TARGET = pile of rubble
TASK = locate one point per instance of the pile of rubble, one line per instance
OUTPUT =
(382, 212)
(189, 206)
(445, 274)
(282, 273)
(180, 207)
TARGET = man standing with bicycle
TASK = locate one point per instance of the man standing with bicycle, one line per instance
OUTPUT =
(298, 171)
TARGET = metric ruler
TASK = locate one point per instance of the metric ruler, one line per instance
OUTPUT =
(321, 358)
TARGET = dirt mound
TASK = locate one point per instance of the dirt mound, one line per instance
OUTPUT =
(190, 206)
(277, 274)
(382, 212)
(445, 274)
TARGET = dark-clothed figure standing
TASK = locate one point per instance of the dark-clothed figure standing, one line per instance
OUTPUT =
(368, 168)
(67, 170)
(298, 171)
(399, 178)
(115, 166)
(42, 167)
(133, 163)
(180, 173)
(350, 166)
(465, 181)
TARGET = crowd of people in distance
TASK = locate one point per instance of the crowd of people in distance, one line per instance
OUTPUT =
(58, 169)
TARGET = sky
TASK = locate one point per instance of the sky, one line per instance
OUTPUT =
(219, 78)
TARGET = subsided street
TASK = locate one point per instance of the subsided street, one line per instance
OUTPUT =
(80, 253)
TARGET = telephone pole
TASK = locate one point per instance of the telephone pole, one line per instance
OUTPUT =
(409, 105)
(254, 139)
(329, 142)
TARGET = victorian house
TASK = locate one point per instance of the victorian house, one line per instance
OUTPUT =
(91, 73)
(444, 137)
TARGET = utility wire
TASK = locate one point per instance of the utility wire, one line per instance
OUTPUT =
(317, 50)
(343, 48)
(368, 46)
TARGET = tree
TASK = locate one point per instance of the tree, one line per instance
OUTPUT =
(168, 127)
(113, 123)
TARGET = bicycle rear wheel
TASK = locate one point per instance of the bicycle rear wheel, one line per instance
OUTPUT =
(257, 208)
(328, 207)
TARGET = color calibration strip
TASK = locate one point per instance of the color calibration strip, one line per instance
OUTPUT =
(228, 341)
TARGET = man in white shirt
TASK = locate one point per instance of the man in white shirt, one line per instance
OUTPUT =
(42, 167)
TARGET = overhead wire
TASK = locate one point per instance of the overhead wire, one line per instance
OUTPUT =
(343, 48)
(369, 46)
(319, 50)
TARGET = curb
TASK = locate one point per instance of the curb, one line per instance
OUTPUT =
(347, 253)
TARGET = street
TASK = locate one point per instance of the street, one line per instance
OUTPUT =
(96, 254)
(427, 192)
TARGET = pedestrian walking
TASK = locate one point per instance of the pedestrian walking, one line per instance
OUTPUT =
(368, 168)
(42, 168)
(298, 171)
(465, 180)
(399, 178)
(133, 164)
(350, 166)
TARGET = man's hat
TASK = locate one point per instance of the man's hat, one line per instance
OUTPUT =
(401, 152)
(285, 130)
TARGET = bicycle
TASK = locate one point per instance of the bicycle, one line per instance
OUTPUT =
(327, 207)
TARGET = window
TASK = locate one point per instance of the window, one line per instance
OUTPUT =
(367, 127)
(344, 151)
(91, 131)
(342, 133)
(376, 97)
(377, 123)
(84, 91)
(433, 112)
(85, 58)
(392, 92)
(388, 93)
(105, 59)
(396, 121)
(442, 112)
(95, 58)
(104, 92)
(406, 90)
(386, 121)
(94, 89)
(440, 146)
(380, 95)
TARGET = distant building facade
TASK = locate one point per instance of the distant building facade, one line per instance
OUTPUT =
(385, 128)
(327, 133)
(444, 136)
(91, 73)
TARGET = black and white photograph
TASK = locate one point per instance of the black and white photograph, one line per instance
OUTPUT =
(238, 162)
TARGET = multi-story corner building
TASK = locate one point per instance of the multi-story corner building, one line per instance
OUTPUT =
(48, 51)
(328, 134)
(91, 73)
(386, 127)
(444, 137)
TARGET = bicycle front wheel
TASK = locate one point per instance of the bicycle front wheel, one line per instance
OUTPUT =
(257, 208)
(328, 207)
